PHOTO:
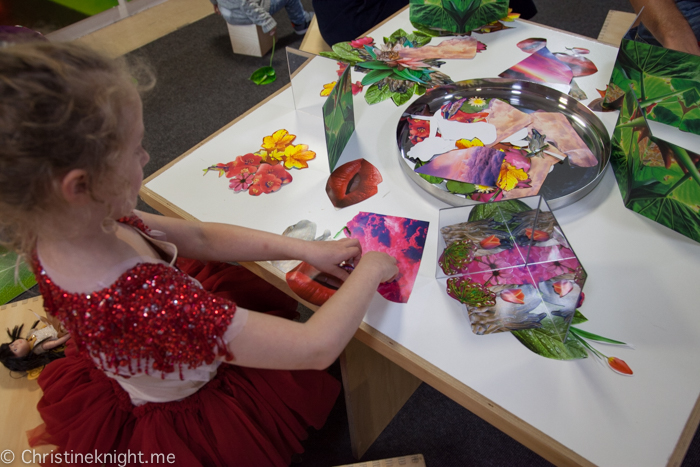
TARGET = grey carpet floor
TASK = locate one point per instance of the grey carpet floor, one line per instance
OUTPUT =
(201, 87)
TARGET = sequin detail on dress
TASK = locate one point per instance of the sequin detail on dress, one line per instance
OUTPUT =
(152, 313)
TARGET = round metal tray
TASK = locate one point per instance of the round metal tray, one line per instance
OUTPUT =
(566, 183)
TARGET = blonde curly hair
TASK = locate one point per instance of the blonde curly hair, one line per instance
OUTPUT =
(61, 107)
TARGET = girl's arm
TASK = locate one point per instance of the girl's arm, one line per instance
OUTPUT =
(276, 343)
(209, 241)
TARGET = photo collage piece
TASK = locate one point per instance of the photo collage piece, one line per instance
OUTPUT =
(402, 66)
(511, 266)
(464, 141)
(557, 69)
(400, 237)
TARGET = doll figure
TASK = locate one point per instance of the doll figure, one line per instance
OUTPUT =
(31, 353)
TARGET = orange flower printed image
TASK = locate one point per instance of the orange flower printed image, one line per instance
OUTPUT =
(510, 177)
(418, 130)
(265, 171)
(327, 88)
(468, 143)
(297, 156)
(279, 140)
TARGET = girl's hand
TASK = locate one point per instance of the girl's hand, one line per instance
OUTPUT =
(382, 264)
(327, 256)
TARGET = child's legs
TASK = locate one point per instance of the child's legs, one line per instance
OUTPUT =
(294, 10)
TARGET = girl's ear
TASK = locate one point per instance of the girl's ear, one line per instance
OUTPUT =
(74, 187)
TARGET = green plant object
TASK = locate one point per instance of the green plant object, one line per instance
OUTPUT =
(666, 82)
(266, 74)
(389, 76)
(665, 188)
(545, 342)
(501, 212)
(339, 118)
(9, 289)
(449, 17)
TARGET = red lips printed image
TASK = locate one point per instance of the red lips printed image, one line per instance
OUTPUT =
(353, 182)
(311, 284)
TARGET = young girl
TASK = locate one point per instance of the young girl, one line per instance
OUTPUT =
(156, 364)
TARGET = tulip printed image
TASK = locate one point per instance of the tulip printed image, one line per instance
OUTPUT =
(265, 171)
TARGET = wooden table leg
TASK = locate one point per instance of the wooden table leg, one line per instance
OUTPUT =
(375, 390)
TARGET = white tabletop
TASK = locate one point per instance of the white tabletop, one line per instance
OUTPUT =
(642, 277)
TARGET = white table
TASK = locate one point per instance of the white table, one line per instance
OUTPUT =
(641, 288)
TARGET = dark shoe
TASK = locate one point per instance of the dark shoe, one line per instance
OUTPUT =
(301, 29)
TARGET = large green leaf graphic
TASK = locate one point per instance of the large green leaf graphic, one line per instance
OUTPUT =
(666, 82)
(501, 211)
(339, 118)
(9, 289)
(670, 194)
(545, 341)
(455, 16)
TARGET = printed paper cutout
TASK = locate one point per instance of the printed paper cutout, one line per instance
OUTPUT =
(352, 183)
(563, 137)
(506, 118)
(304, 230)
(464, 47)
(666, 82)
(478, 165)
(538, 67)
(657, 179)
(449, 17)
(523, 272)
(541, 67)
(339, 118)
(399, 237)
(496, 26)
(265, 171)
(311, 284)
(400, 67)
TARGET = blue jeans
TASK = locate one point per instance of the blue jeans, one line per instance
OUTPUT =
(294, 10)
(689, 9)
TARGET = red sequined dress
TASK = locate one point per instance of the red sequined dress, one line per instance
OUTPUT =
(155, 324)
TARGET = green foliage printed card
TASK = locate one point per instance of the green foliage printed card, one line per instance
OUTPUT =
(339, 118)
(666, 82)
(449, 17)
(9, 289)
(657, 179)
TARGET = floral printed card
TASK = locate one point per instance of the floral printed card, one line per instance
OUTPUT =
(511, 265)
(402, 238)
(339, 118)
